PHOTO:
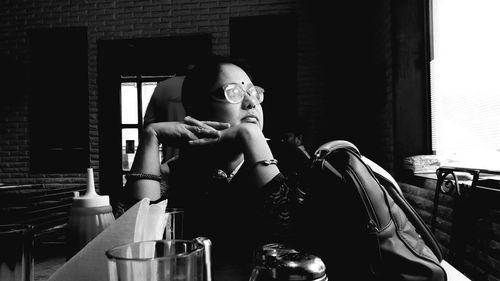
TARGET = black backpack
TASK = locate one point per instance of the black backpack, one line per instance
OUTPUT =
(356, 219)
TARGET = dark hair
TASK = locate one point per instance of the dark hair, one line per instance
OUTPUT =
(200, 79)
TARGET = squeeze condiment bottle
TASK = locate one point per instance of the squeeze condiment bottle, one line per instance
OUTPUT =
(90, 214)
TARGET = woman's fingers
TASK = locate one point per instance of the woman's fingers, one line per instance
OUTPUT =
(194, 122)
(202, 132)
(203, 141)
(217, 125)
(206, 124)
(176, 133)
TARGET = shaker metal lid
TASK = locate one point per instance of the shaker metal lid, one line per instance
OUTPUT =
(300, 266)
(284, 263)
(267, 254)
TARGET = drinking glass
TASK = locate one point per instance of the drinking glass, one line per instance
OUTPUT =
(16, 254)
(174, 224)
(157, 260)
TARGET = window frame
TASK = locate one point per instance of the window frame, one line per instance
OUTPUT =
(139, 80)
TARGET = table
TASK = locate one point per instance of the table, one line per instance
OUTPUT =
(50, 256)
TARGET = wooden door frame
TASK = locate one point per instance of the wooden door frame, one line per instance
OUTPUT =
(115, 58)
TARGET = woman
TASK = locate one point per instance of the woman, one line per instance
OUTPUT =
(226, 176)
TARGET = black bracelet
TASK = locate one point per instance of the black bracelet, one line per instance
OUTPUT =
(266, 162)
(141, 176)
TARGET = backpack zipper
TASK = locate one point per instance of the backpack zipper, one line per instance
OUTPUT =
(372, 226)
(373, 223)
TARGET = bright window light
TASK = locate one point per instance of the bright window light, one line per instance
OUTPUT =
(465, 83)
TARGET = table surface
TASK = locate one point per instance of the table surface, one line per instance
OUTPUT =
(49, 257)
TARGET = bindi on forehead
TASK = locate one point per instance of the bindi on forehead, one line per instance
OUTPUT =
(242, 82)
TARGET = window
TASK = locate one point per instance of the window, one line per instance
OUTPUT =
(136, 92)
(59, 100)
(465, 84)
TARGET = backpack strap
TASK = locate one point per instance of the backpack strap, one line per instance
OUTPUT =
(394, 190)
(326, 148)
(382, 173)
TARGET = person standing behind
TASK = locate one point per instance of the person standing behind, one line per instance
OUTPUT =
(166, 105)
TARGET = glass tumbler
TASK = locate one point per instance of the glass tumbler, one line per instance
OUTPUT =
(157, 260)
(16, 254)
(174, 224)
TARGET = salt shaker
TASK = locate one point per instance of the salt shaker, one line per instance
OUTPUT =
(278, 262)
(90, 214)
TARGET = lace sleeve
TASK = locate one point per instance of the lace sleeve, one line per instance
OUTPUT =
(280, 202)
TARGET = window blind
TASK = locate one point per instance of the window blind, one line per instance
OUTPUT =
(465, 82)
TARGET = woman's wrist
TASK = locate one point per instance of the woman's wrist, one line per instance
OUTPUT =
(147, 158)
(149, 135)
(258, 154)
(266, 162)
(247, 131)
(255, 146)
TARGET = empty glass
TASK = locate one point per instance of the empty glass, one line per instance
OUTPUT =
(174, 224)
(16, 257)
(157, 260)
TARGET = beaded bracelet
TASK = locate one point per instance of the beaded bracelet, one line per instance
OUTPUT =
(141, 176)
(266, 162)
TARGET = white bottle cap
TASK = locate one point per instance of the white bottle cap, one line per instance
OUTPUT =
(91, 198)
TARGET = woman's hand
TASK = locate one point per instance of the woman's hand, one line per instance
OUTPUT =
(208, 132)
(169, 133)
(192, 131)
(244, 137)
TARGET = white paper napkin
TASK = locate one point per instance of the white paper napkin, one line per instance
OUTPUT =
(141, 222)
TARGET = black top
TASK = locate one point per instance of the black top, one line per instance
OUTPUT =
(236, 216)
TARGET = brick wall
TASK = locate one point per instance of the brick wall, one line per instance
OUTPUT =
(321, 33)
(104, 20)
(467, 226)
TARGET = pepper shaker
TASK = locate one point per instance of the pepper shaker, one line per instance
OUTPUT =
(276, 261)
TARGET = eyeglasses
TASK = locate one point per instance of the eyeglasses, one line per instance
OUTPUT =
(234, 93)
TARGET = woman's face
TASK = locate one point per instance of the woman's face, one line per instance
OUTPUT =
(248, 111)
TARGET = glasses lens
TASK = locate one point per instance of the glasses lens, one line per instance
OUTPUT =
(234, 93)
(259, 93)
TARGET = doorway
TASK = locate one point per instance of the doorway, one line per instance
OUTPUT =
(122, 63)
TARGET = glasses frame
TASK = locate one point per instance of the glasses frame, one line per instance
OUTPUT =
(256, 92)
